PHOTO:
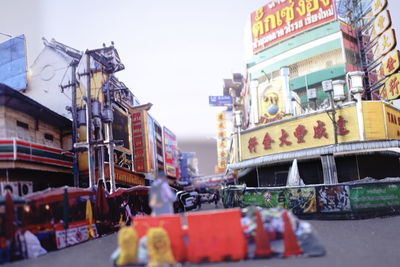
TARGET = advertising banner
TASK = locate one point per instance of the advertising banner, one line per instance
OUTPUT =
(302, 200)
(77, 233)
(143, 139)
(265, 198)
(138, 138)
(372, 196)
(171, 154)
(333, 198)
(281, 19)
(13, 63)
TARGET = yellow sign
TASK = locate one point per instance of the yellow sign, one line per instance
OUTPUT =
(222, 163)
(381, 122)
(300, 133)
(377, 6)
(391, 62)
(392, 122)
(392, 86)
(271, 101)
(381, 23)
(220, 116)
(386, 43)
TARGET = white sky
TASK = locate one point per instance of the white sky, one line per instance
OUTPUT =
(176, 52)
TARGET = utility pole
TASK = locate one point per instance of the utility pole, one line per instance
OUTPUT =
(74, 123)
(89, 138)
(72, 83)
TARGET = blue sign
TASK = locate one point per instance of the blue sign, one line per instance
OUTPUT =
(220, 101)
(13, 64)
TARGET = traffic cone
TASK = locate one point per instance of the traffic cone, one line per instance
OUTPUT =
(263, 247)
(289, 238)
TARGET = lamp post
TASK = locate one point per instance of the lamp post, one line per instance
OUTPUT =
(238, 125)
(338, 91)
(327, 86)
(356, 88)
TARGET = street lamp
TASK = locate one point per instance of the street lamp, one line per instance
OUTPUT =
(338, 90)
(356, 83)
(238, 125)
(356, 89)
(327, 86)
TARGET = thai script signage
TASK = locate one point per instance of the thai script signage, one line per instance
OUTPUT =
(220, 101)
(374, 196)
(281, 19)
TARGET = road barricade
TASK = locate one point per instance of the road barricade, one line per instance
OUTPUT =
(215, 236)
(221, 235)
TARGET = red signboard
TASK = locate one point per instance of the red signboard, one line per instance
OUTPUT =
(171, 154)
(139, 150)
(281, 19)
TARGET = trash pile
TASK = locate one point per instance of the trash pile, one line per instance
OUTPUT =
(277, 232)
(233, 235)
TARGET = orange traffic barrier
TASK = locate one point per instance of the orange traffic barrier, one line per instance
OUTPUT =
(172, 224)
(289, 238)
(215, 236)
(263, 247)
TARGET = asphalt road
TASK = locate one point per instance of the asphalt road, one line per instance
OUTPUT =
(368, 243)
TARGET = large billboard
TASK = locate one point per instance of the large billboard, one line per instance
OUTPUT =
(143, 142)
(171, 154)
(281, 19)
(13, 63)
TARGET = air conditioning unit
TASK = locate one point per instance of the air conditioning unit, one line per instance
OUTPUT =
(25, 188)
(10, 186)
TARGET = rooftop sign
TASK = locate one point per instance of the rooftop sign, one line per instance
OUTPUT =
(281, 19)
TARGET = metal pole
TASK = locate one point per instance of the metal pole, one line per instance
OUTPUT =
(91, 167)
(110, 145)
(333, 117)
(74, 124)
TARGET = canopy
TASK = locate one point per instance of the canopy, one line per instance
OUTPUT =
(135, 190)
(15, 199)
(57, 194)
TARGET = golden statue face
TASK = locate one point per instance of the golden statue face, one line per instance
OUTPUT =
(271, 103)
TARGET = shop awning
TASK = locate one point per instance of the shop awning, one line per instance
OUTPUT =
(339, 149)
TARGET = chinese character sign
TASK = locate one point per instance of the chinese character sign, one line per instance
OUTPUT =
(281, 19)
(300, 133)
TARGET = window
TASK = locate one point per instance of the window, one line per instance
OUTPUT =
(23, 125)
(48, 136)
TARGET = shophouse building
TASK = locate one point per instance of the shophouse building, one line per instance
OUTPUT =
(308, 97)
(35, 144)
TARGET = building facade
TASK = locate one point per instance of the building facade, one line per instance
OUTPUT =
(35, 143)
(301, 102)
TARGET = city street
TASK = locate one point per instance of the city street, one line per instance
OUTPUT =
(368, 243)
